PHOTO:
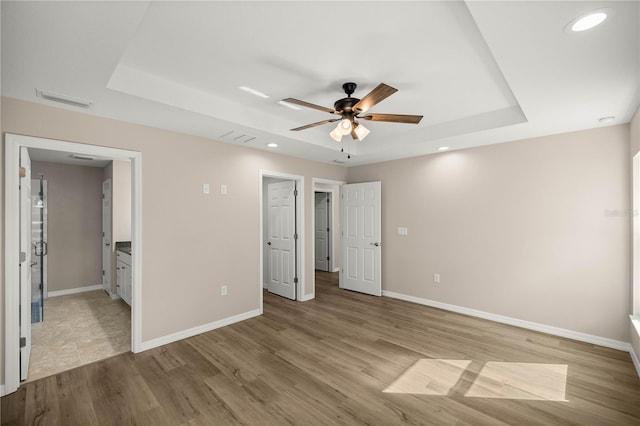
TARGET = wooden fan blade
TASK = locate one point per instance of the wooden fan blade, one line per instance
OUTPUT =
(380, 93)
(319, 123)
(309, 105)
(393, 118)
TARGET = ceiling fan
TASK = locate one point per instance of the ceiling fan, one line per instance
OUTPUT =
(351, 110)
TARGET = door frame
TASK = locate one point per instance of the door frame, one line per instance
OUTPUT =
(300, 227)
(335, 197)
(13, 143)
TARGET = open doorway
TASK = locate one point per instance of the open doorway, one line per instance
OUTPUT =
(327, 228)
(82, 318)
(18, 332)
(282, 235)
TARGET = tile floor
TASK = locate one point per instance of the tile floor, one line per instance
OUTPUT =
(78, 329)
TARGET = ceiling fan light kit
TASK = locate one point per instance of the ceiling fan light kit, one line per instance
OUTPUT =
(349, 110)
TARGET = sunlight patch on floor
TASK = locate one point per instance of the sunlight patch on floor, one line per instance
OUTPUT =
(520, 380)
(430, 377)
(507, 380)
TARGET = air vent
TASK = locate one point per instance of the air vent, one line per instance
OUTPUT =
(64, 99)
(237, 137)
(82, 157)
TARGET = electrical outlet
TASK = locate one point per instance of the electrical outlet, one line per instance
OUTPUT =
(436, 278)
(223, 290)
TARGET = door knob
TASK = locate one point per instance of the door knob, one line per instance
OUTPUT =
(269, 243)
(377, 244)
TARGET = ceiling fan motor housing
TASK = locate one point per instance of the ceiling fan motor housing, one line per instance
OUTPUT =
(345, 106)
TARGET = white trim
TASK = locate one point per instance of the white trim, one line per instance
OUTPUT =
(636, 361)
(2, 393)
(75, 290)
(336, 269)
(12, 275)
(301, 224)
(307, 297)
(184, 334)
(635, 328)
(13, 143)
(635, 185)
(114, 296)
(562, 332)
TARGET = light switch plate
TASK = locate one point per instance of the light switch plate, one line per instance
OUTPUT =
(402, 231)
(223, 189)
(205, 188)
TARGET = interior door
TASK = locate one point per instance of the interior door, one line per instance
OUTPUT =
(25, 264)
(361, 244)
(106, 236)
(281, 243)
(322, 231)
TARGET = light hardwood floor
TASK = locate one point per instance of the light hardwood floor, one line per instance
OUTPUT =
(345, 358)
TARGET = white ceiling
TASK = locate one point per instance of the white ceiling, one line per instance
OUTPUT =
(479, 72)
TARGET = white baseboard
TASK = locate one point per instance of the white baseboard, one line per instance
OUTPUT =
(170, 338)
(2, 390)
(636, 361)
(635, 328)
(75, 290)
(307, 297)
(562, 332)
(337, 269)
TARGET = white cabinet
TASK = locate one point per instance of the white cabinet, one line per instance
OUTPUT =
(123, 276)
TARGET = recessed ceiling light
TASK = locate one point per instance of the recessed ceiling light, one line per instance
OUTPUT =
(288, 105)
(588, 21)
(272, 145)
(443, 148)
(605, 120)
(253, 91)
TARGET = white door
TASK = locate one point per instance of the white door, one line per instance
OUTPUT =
(25, 264)
(281, 243)
(322, 231)
(361, 244)
(106, 236)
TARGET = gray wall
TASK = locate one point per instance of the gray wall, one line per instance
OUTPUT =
(74, 225)
(536, 230)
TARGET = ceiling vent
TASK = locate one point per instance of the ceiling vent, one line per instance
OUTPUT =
(64, 99)
(237, 137)
(83, 157)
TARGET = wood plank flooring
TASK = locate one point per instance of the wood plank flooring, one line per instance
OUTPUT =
(328, 361)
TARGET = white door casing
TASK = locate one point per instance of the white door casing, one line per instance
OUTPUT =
(106, 236)
(25, 264)
(12, 147)
(321, 229)
(361, 238)
(281, 244)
